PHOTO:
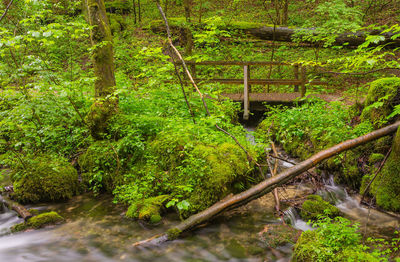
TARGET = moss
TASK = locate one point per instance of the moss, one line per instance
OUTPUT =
(46, 179)
(374, 158)
(39, 221)
(386, 187)
(173, 233)
(148, 209)
(33, 211)
(315, 206)
(382, 91)
(199, 173)
(223, 166)
(278, 235)
(154, 219)
(103, 109)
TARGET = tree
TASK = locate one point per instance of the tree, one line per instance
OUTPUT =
(106, 102)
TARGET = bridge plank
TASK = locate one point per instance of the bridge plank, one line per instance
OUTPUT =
(260, 81)
(278, 97)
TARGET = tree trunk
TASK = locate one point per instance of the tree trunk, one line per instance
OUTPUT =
(134, 10)
(106, 103)
(286, 12)
(187, 6)
(266, 186)
(139, 11)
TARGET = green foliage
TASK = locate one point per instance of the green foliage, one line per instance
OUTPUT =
(315, 206)
(44, 178)
(39, 221)
(311, 127)
(331, 18)
(334, 240)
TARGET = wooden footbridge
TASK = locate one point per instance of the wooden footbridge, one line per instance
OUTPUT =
(299, 83)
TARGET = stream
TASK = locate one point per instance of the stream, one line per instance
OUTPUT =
(96, 230)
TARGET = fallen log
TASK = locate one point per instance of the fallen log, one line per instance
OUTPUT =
(352, 40)
(20, 209)
(264, 187)
(286, 34)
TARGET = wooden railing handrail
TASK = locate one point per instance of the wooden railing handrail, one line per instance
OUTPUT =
(241, 63)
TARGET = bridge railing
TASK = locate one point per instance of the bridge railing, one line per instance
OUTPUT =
(300, 78)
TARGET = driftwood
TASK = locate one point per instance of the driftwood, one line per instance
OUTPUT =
(265, 187)
(20, 209)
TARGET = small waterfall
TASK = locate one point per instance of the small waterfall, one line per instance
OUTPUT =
(292, 217)
(333, 193)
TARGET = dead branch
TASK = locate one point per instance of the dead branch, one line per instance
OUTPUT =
(6, 11)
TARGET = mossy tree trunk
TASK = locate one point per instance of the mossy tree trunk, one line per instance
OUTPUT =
(189, 38)
(106, 102)
(386, 187)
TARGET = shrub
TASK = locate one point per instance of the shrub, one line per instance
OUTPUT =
(334, 240)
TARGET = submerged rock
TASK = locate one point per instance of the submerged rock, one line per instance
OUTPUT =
(39, 221)
(276, 235)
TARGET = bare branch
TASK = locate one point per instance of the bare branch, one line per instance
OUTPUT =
(6, 11)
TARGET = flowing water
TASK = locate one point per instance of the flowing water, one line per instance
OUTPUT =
(96, 230)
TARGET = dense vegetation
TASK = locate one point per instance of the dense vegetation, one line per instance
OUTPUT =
(91, 109)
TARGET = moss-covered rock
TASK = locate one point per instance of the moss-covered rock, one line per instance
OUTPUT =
(39, 221)
(45, 178)
(381, 99)
(278, 235)
(386, 187)
(375, 157)
(315, 206)
(148, 209)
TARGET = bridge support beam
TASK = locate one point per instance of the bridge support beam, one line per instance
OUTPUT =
(247, 91)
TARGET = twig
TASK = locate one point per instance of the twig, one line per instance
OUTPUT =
(6, 11)
(183, 90)
(275, 191)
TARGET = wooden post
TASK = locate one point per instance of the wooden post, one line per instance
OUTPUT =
(246, 96)
(303, 81)
(296, 76)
